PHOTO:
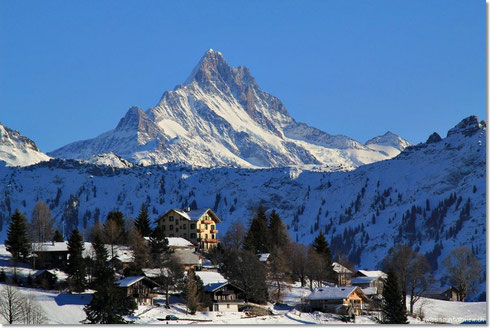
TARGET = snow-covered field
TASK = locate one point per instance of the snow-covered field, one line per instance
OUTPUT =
(64, 308)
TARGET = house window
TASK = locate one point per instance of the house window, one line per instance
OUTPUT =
(228, 305)
(171, 218)
(193, 235)
(185, 235)
(206, 236)
(206, 226)
(163, 227)
(193, 226)
(213, 236)
(212, 227)
(184, 226)
(177, 229)
(171, 227)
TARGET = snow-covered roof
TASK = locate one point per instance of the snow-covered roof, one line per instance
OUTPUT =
(179, 242)
(338, 268)
(206, 263)
(196, 214)
(50, 246)
(263, 257)
(210, 277)
(363, 279)
(129, 281)
(375, 274)
(325, 293)
(187, 257)
(214, 286)
(369, 291)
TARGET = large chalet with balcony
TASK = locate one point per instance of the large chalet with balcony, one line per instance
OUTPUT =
(198, 226)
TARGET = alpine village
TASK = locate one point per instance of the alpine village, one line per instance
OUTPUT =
(178, 267)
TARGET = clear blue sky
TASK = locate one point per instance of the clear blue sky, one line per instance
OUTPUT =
(69, 70)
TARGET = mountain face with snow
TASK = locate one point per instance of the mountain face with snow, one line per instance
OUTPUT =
(432, 196)
(221, 117)
(388, 143)
(17, 150)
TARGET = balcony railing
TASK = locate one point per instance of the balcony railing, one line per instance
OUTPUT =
(214, 231)
(207, 221)
(210, 240)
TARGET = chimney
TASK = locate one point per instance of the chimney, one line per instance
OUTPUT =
(188, 209)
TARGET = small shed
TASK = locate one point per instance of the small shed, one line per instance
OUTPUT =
(451, 294)
(139, 287)
(45, 279)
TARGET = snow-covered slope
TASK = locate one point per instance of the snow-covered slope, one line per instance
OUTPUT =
(220, 117)
(17, 150)
(389, 143)
(432, 196)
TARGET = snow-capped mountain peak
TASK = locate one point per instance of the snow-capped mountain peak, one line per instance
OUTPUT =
(221, 117)
(389, 143)
(18, 150)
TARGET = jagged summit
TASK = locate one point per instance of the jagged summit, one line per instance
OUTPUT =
(221, 117)
(18, 150)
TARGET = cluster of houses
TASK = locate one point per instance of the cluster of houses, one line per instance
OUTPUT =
(190, 232)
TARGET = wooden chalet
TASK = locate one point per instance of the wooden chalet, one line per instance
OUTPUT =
(365, 279)
(342, 274)
(139, 287)
(224, 296)
(48, 255)
(338, 300)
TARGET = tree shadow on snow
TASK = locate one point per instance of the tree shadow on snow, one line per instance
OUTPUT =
(71, 299)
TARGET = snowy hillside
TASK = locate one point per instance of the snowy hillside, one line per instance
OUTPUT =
(220, 117)
(432, 196)
(17, 150)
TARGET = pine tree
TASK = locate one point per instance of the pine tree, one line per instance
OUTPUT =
(159, 246)
(76, 268)
(278, 233)
(17, 242)
(192, 297)
(142, 222)
(109, 303)
(393, 307)
(57, 237)
(321, 246)
(256, 239)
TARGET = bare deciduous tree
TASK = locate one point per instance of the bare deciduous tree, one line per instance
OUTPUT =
(463, 271)
(234, 238)
(11, 304)
(315, 268)
(277, 269)
(32, 313)
(42, 224)
(298, 261)
(419, 279)
(17, 308)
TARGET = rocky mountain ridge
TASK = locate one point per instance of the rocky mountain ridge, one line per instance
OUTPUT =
(221, 117)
